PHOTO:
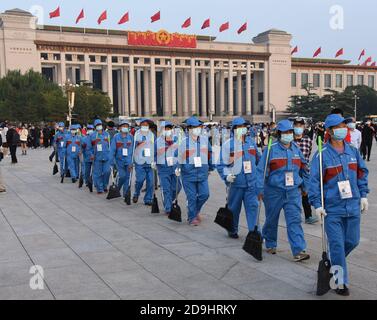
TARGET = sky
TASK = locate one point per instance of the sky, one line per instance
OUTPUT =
(329, 24)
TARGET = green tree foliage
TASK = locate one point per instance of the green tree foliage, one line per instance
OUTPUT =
(313, 106)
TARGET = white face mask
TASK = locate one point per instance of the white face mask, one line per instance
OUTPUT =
(73, 132)
(144, 129)
(99, 128)
(197, 131)
(168, 133)
(90, 131)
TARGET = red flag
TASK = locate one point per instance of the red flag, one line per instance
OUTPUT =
(55, 13)
(206, 24)
(156, 17)
(81, 16)
(125, 18)
(362, 54)
(224, 26)
(243, 28)
(187, 23)
(339, 53)
(373, 64)
(318, 52)
(369, 60)
(102, 17)
(295, 50)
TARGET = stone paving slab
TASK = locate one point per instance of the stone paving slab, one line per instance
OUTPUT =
(92, 248)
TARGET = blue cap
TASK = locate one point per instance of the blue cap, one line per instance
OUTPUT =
(193, 122)
(123, 122)
(73, 127)
(78, 126)
(166, 124)
(333, 120)
(238, 122)
(97, 122)
(61, 124)
(146, 120)
(90, 126)
(284, 125)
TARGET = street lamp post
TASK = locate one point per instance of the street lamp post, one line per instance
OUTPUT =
(69, 89)
(355, 106)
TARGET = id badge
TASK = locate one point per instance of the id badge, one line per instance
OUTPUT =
(247, 166)
(289, 180)
(99, 147)
(73, 149)
(197, 162)
(170, 161)
(125, 152)
(147, 152)
(61, 144)
(345, 189)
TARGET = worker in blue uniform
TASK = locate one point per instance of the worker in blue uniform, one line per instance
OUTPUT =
(144, 159)
(60, 150)
(167, 163)
(195, 158)
(72, 145)
(99, 148)
(286, 178)
(87, 155)
(121, 153)
(239, 160)
(345, 183)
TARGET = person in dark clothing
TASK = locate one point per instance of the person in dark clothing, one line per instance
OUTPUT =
(368, 134)
(13, 138)
(36, 137)
(46, 136)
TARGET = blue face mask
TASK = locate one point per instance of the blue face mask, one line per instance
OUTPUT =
(352, 125)
(286, 138)
(299, 131)
(340, 134)
(125, 130)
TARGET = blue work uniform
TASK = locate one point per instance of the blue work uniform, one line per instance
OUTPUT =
(145, 154)
(99, 148)
(59, 147)
(87, 157)
(121, 153)
(195, 177)
(72, 145)
(342, 223)
(286, 178)
(241, 159)
(167, 163)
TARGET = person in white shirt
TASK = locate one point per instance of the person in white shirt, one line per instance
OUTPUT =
(355, 134)
(23, 138)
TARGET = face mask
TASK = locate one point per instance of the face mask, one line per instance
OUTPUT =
(286, 138)
(73, 132)
(125, 130)
(368, 123)
(351, 125)
(60, 129)
(90, 131)
(197, 131)
(168, 133)
(99, 128)
(144, 128)
(299, 131)
(340, 134)
(241, 131)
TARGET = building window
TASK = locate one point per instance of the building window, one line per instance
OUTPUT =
(68, 57)
(126, 60)
(56, 56)
(92, 58)
(114, 59)
(44, 56)
(360, 80)
(339, 81)
(304, 79)
(371, 81)
(80, 58)
(327, 80)
(294, 80)
(316, 80)
(103, 59)
(349, 80)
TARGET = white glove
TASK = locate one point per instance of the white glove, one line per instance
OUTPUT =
(364, 205)
(320, 212)
(177, 172)
(153, 165)
(230, 178)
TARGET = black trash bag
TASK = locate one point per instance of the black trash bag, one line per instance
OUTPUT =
(155, 207)
(113, 192)
(90, 183)
(175, 213)
(253, 244)
(224, 218)
(127, 198)
(324, 275)
(55, 169)
(81, 181)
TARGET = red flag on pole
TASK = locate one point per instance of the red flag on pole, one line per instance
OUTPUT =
(373, 64)
(362, 54)
(125, 18)
(318, 52)
(243, 28)
(102, 17)
(339, 53)
(187, 23)
(206, 24)
(369, 60)
(224, 26)
(80, 16)
(156, 17)
(295, 50)
(55, 13)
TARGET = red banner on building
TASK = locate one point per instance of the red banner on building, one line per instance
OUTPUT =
(161, 39)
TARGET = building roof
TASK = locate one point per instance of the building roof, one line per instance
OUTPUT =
(18, 12)
(331, 64)
(320, 61)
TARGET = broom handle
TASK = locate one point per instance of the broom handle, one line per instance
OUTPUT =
(324, 247)
(132, 160)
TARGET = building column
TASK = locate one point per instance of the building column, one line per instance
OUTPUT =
(212, 102)
(239, 93)
(222, 92)
(173, 88)
(193, 87)
(255, 92)
(203, 80)
(146, 92)
(179, 97)
(230, 88)
(248, 89)
(132, 86)
(63, 69)
(152, 88)
(185, 93)
(87, 76)
(125, 104)
(139, 93)
(165, 90)
(110, 78)
(266, 93)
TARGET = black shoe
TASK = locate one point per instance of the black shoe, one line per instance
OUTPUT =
(233, 235)
(74, 180)
(135, 199)
(62, 179)
(345, 292)
(50, 158)
(148, 204)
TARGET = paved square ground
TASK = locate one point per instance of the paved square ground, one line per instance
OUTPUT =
(92, 248)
